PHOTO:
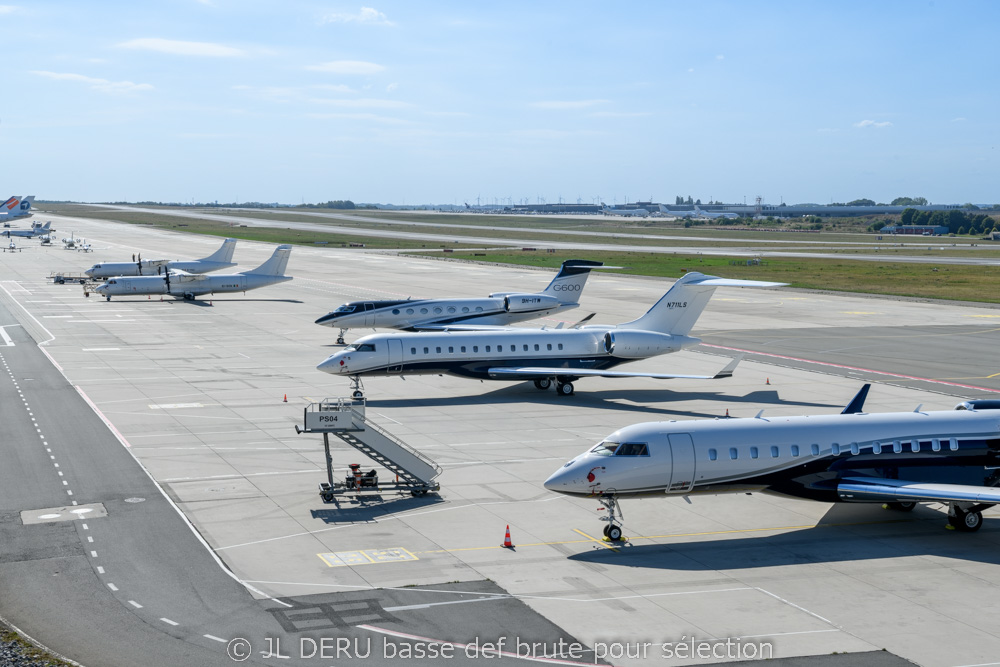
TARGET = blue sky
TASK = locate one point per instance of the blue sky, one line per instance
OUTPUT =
(441, 102)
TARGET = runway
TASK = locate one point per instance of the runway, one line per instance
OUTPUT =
(195, 392)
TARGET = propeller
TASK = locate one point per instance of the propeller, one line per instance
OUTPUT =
(138, 263)
(166, 276)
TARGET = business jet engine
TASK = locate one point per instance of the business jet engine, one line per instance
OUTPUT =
(641, 344)
(528, 303)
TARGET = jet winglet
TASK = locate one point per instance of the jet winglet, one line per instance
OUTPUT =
(727, 372)
(857, 403)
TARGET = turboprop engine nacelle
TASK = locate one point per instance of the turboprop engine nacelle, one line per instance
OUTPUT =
(522, 303)
(641, 344)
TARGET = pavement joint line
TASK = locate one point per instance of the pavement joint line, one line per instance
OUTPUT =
(792, 604)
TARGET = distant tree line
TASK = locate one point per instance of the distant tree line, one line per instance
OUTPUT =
(338, 203)
(957, 221)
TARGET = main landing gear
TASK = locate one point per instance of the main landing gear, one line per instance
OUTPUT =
(899, 507)
(966, 519)
(357, 388)
(612, 531)
(563, 385)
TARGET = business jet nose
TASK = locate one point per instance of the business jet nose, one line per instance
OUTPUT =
(90, 272)
(327, 319)
(332, 364)
(565, 480)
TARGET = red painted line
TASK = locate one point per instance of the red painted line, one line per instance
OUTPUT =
(854, 368)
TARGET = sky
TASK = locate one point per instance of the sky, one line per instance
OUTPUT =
(446, 102)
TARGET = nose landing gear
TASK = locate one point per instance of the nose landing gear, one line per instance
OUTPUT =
(357, 387)
(612, 531)
(340, 337)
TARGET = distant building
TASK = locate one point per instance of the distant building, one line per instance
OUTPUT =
(919, 230)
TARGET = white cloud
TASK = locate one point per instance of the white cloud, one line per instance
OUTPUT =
(179, 48)
(347, 67)
(391, 87)
(8, 9)
(872, 123)
(620, 114)
(333, 87)
(366, 15)
(567, 104)
(720, 57)
(690, 70)
(102, 85)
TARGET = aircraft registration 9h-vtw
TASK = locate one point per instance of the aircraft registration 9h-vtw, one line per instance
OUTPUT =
(185, 285)
(898, 458)
(220, 259)
(498, 309)
(542, 355)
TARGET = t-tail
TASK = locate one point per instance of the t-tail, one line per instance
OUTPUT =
(224, 255)
(678, 310)
(275, 266)
(568, 283)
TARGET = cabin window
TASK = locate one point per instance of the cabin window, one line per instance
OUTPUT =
(451, 309)
(479, 309)
(734, 453)
(897, 447)
(438, 350)
(475, 348)
(914, 446)
(774, 451)
(753, 452)
(953, 444)
(426, 350)
(605, 448)
(936, 445)
(559, 345)
(409, 311)
(877, 447)
(795, 450)
(632, 449)
(437, 310)
(367, 347)
(536, 347)
(395, 311)
(487, 348)
(465, 309)
(854, 448)
(451, 350)
(815, 450)
(835, 448)
(423, 311)
(548, 346)
(525, 347)
(513, 348)
(713, 455)
(413, 350)
(462, 349)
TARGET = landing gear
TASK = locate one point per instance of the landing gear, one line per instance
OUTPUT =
(543, 383)
(340, 337)
(612, 531)
(108, 297)
(964, 520)
(358, 388)
(564, 388)
(899, 507)
(188, 296)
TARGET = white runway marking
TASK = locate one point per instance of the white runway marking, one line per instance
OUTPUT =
(6, 338)
(167, 620)
(214, 638)
(135, 604)
(112, 587)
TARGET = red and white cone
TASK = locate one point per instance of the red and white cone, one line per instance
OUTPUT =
(286, 399)
(507, 544)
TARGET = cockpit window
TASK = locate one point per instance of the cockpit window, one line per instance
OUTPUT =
(346, 308)
(605, 449)
(632, 449)
(365, 347)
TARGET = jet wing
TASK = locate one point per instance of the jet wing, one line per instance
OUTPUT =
(542, 372)
(461, 327)
(872, 488)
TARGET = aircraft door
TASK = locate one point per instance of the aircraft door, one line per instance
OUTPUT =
(682, 470)
(369, 314)
(126, 285)
(395, 356)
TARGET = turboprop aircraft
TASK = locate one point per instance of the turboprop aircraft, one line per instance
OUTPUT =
(189, 285)
(36, 230)
(436, 314)
(897, 458)
(542, 355)
(711, 215)
(220, 259)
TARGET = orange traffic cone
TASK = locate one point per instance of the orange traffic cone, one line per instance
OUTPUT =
(286, 399)
(507, 544)
(727, 412)
(768, 381)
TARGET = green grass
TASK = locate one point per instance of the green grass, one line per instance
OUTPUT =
(952, 282)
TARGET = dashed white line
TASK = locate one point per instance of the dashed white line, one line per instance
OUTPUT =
(90, 539)
(135, 604)
(214, 638)
(93, 554)
(112, 587)
(85, 526)
(100, 570)
(70, 493)
(167, 620)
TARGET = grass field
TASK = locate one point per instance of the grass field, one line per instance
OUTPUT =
(960, 283)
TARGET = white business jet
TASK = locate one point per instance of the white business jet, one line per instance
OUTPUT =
(220, 259)
(185, 285)
(544, 356)
(897, 458)
(498, 309)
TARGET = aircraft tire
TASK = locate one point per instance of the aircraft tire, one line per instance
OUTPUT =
(967, 522)
(614, 533)
(108, 297)
(358, 394)
(543, 383)
(564, 388)
(901, 507)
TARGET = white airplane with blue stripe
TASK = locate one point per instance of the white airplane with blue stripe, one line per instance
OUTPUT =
(898, 458)
(499, 309)
(544, 356)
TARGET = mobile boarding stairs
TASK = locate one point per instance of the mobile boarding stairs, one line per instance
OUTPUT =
(345, 418)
